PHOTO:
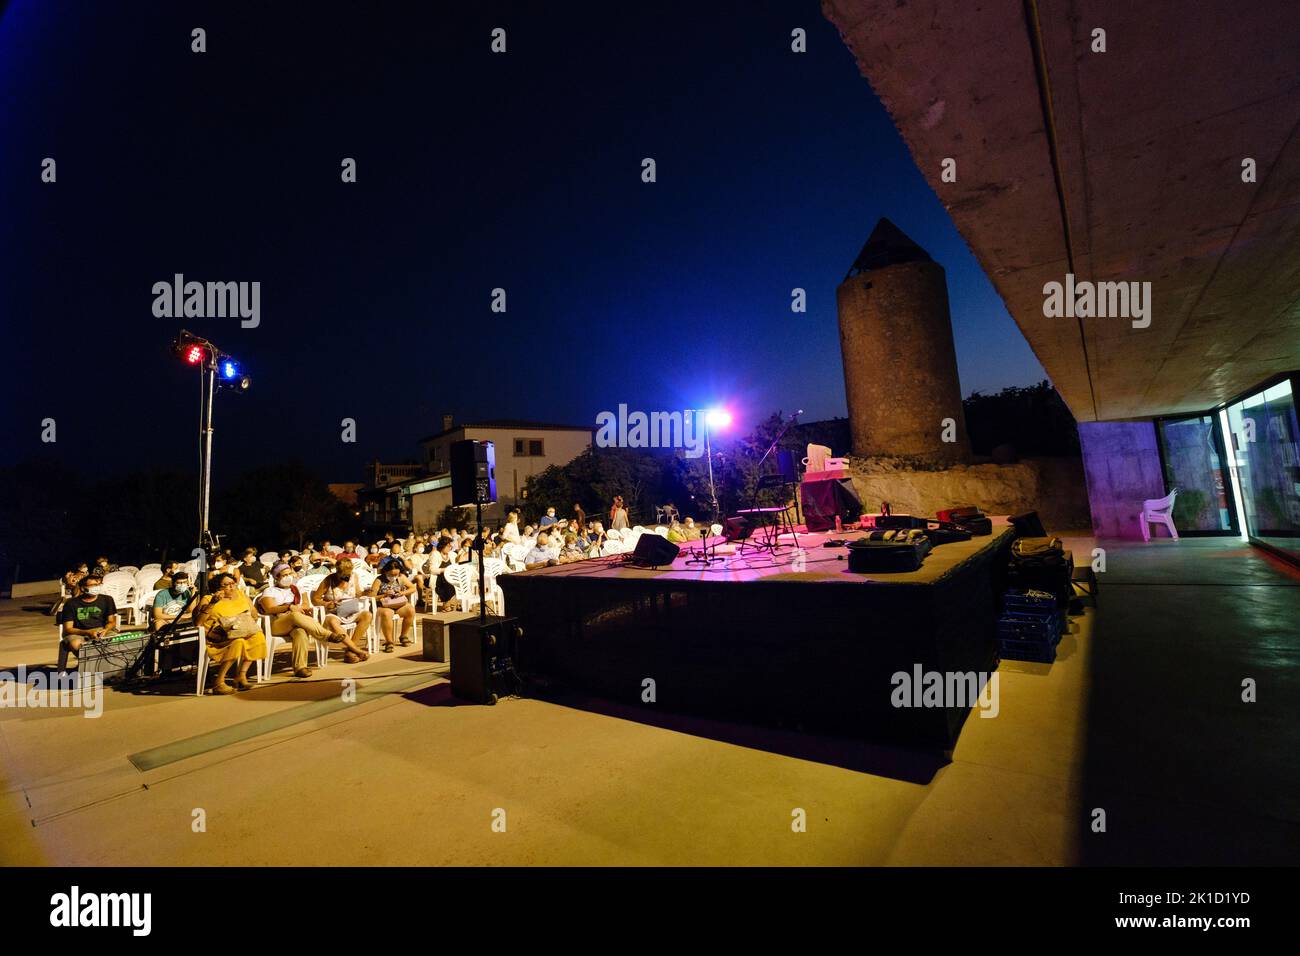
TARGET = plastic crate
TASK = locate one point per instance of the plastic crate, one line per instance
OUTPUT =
(1039, 652)
(1029, 600)
(1044, 628)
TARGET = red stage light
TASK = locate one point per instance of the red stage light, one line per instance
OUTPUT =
(194, 355)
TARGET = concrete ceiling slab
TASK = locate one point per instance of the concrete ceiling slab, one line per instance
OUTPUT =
(1141, 170)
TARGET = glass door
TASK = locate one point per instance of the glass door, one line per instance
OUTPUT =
(1264, 438)
(1192, 456)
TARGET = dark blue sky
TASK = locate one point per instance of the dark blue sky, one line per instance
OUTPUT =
(474, 171)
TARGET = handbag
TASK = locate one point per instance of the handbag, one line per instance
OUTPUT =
(348, 607)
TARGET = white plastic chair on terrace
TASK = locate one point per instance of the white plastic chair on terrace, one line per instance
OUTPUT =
(130, 569)
(145, 579)
(514, 556)
(144, 604)
(365, 575)
(274, 643)
(1159, 511)
(335, 549)
(269, 558)
(493, 568)
(464, 578)
(120, 586)
(661, 531)
(715, 529)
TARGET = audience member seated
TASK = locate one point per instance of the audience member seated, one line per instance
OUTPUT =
(540, 556)
(90, 616)
(252, 571)
(233, 635)
(548, 519)
(165, 577)
(393, 591)
(340, 595)
(290, 616)
(172, 602)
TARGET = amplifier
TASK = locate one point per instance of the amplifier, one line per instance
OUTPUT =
(179, 650)
(109, 658)
(483, 658)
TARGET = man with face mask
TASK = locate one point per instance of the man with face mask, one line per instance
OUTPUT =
(91, 615)
(252, 571)
(169, 603)
(290, 617)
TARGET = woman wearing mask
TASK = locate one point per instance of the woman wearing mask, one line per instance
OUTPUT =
(393, 591)
(233, 634)
(340, 595)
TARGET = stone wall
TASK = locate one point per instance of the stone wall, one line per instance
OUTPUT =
(1054, 487)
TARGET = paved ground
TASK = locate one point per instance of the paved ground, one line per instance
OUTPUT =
(291, 774)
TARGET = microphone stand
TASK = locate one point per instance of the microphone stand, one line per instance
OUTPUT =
(701, 555)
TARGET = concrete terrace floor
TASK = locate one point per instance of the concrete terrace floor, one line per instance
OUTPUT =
(1139, 715)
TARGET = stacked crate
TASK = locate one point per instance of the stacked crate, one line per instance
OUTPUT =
(1030, 626)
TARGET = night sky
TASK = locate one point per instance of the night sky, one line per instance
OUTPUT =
(475, 171)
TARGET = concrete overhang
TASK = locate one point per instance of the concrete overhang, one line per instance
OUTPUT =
(1117, 166)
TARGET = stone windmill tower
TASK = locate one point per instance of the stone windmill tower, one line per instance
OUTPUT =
(900, 366)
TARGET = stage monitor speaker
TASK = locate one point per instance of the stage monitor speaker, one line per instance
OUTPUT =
(473, 472)
(824, 500)
(1028, 525)
(482, 658)
(736, 528)
(787, 467)
(653, 551)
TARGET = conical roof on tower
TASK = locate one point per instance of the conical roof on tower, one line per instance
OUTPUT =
(886, 246)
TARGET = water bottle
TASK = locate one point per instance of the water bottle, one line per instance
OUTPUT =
(839, 525)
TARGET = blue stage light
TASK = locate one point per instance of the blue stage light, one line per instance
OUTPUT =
(229, 369)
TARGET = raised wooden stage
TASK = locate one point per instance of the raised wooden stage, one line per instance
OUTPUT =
(757, 641)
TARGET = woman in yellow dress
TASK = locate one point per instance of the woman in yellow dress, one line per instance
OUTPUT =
(233, 633)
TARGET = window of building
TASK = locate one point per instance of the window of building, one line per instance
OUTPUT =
(529, 448)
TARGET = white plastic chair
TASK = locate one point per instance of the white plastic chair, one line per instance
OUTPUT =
(464, 578)
(715, 529)
(146, 577)
(1159, 511)
(493, 568)
(660, 530)
(269, 558)
(130, 569)
(120, 586)
(144, 605)
(514, 556)
(275, 642)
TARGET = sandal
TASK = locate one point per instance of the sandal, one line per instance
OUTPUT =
(388, 647)
(407, 642)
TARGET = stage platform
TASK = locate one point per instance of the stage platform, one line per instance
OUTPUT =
(759, 641)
